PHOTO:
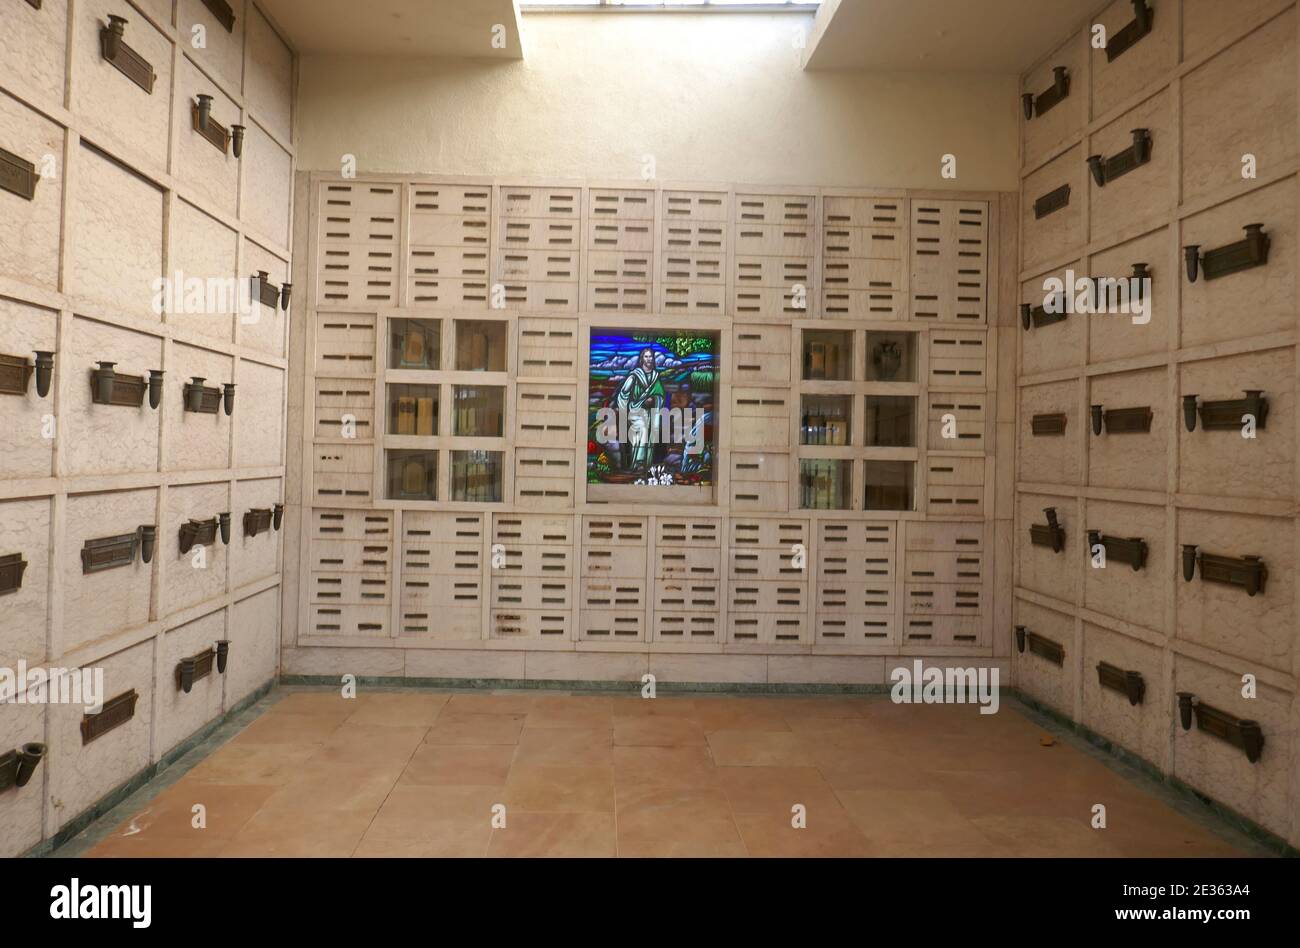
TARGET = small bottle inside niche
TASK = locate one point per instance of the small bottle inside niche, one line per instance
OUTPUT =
(825, 421)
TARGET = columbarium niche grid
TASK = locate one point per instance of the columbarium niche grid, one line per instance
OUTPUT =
(1210, 85)
(128, 192)
(465, 289)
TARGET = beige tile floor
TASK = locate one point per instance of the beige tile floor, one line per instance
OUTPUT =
(420, 773)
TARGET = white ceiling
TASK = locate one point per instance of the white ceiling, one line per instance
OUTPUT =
(425, 28)
(992, 36)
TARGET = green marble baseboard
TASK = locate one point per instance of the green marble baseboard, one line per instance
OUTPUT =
(588, 687)
(1242, 824)
(115, 796)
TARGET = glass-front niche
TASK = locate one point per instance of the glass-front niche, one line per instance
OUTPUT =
(413, 410)
(891, 356)
(889, 421)
(889, 485)
(825, 484)
(478, 411)
(481, 345)
(413, 475)
(476, 476)
(827, 355)
(415, 344)
(826, 420)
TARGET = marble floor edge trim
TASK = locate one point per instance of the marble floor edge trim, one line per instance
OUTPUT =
(98, 821)
(1205, 810)
(596, 686)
